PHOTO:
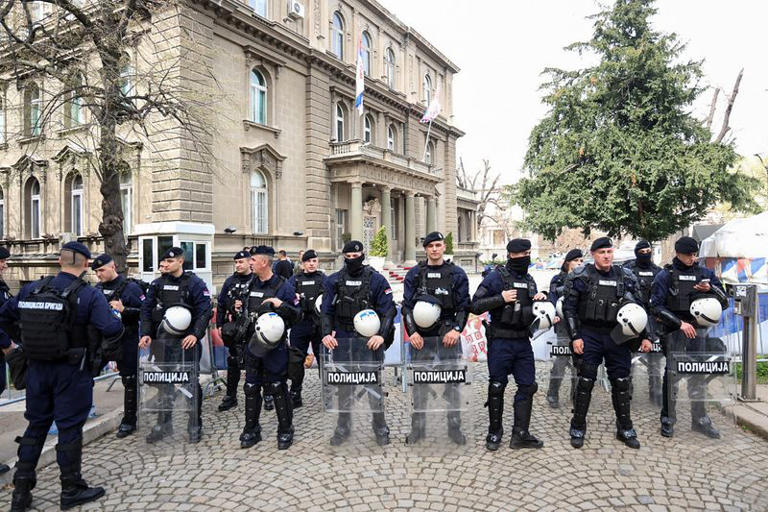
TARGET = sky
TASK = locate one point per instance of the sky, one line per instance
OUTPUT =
(503, 46)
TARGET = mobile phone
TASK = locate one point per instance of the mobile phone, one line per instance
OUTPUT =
(705, 281)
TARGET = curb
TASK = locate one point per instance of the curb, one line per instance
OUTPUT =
(756, 422)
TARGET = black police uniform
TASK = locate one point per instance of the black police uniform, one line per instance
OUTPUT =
(127, 353)
(190, 291)
(352, 289)
(447, 285)
(509, 351)
(644, 273)
(592, 299)
(560, 363)
(5, 294)
(231, 322)
(61, 321)
(268, 370)
(671, 296)
(305, 332)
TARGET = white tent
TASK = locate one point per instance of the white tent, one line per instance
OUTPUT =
(740, 238)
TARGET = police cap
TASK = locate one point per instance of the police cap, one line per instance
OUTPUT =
(308, 255)
(242, 254)
(77, 247)
(4, 253)
(434, 236)
(100, 261)
(601, 243)
(353, 246)
(686, 245)
(518, 245)
(173, 252)
(263, 249)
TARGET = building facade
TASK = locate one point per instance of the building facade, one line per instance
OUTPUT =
(285, 158)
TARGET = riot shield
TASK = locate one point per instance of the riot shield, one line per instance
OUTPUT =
(558, 376)
(700, 383)
(438, 383)
(353, 395)
(169, 393)
(647, 374)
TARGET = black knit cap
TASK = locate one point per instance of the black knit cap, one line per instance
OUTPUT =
(686, 245)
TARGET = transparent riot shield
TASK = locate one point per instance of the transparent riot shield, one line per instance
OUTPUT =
(647, 374)
(700, 384)
(353, 396)
(438, 383)
(169, 394)
(557, 376)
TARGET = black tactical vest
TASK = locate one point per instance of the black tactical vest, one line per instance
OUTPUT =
(645, 278)
(309, 287)
(517, 315)
(438, 283)
(603, 296)
(168, 293)
(258, 295)
(353, 294)
(237, 290)
(5, 292)
(681, 292)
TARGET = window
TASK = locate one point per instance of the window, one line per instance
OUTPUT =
(32, 110)
(389, 67)
(126, 75)
(75, 115)
(393, 217)
(339, 126)
(258, 203)
(258, 112)
(429, 153)
(366, 43)
(2, 215)
(391, 138)
(341, 226)
(368, 130)
(259, 7)
(337, 35)
(148, 259)
(32, 206)
(76, 205)
(427, 92)
(126, 198)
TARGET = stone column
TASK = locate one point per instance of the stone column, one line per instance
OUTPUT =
(386, 221)
(410, 233)
(431, 214)
(356, 211)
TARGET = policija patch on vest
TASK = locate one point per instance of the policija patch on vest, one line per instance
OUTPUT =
(160, 377)
(351, 378)
(605, 282)
(440, 376)
(48, 306)
(719, 367)
(559, 350)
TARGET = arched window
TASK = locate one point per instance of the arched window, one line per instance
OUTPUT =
(429, 153)
(76, 102)
(259, 7)
(259, 210)
(32, 110)
(389, 67)
(76, 205)
(258, 112)
(337, 35)
(33, 208)
(427, 89)
(126, 198)
(391, 138)
(366, 40)
(339, 127)
(126, 75)
(2, 215)
(368, 130)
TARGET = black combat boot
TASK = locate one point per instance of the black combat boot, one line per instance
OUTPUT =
(521, 437)
(343, 429)
(130, 399)
(581, 399)
(233, 379)
(252, 431)
(621, 395)
(284, 411)
(495, 406)
(702, 423)
(553, 393)
(380, 429)
(418, 427)
(23, 481)
(74, 490)
(454, 428)
(162, 429)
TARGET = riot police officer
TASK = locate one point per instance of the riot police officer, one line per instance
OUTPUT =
(176, 287)
(309, 285)
(271, 304)
(352, 289)
(672, 292)
(5, 294)
(645, 271)
(57, 316)
(594, 294)
(574, 258)
(125, 298)
(445, 284)
(232, 323)
(508, 293)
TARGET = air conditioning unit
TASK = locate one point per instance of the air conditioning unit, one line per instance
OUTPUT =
(295, 9)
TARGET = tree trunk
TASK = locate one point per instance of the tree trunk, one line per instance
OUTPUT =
(111, 226)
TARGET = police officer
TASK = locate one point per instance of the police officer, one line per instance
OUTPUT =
(347, 292)
(267, 366)
(55, 315)
(176, 287)
(574, 258)
(673, 291)
(508, 293)
(645, 271)
(594, 294)
(231, 322)
(445, 284)
(309, 286)
(124, 297)
(5, 294)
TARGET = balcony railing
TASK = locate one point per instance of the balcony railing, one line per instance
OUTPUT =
(357, 148)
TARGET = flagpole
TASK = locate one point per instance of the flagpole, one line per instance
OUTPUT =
(426, 142)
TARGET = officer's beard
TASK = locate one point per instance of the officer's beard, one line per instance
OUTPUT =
(519, 265)
(644, 260)
(354, 265)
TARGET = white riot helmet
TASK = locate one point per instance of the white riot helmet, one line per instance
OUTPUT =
(632, 318)
(559, 308)
(707, 311)
(544, 312)
(176, 320)
(267, 332)
(426, 313)
(367, 323)
(319, 303)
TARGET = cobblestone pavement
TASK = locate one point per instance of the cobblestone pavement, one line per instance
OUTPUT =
(685, 473)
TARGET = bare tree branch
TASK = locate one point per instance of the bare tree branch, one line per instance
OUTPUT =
(727, 117)
(712, 107)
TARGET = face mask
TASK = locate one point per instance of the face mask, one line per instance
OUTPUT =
(644, 260)
(354, 264)
(519, 265)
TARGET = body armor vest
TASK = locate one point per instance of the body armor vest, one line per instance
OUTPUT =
(438, 283)
(603, 296)
(517, 315)
(645, 278)
(170, 293)
(353, 294)
(309, 287)
(256, 296)
(681, 292)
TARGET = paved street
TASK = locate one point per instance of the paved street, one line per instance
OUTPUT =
(685, 473)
